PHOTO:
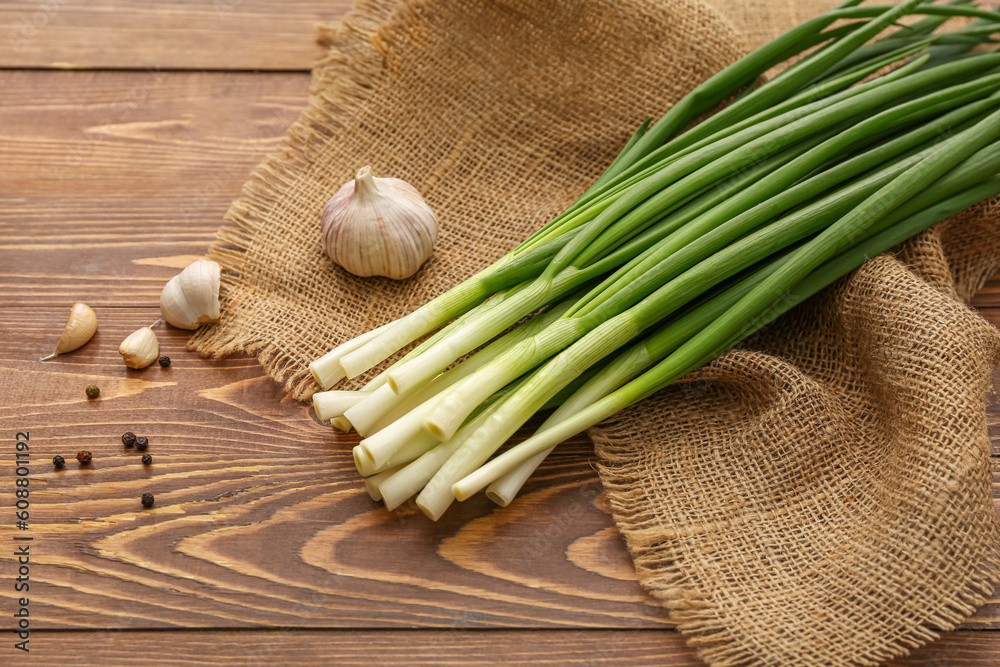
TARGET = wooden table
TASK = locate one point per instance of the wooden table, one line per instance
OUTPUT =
(126, 128)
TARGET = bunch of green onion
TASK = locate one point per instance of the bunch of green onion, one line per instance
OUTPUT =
(695, 237)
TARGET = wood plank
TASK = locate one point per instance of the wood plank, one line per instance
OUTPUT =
(989, 295)
(309, 648)
(195, 34)
(134, 169)
(260, 518)
(306, 648)
(968, 649)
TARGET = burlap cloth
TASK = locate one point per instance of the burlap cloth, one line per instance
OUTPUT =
(820, 496)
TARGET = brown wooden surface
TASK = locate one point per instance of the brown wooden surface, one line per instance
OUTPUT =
(259, 516)
(308, 648)
(179, 34)
(109, 182)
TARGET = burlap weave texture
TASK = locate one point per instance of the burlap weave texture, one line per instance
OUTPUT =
(498, 123)
(819, 496)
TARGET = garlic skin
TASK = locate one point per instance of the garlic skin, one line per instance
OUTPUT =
(79, 329)
(191, 298)
(140, 348)
(378, 227)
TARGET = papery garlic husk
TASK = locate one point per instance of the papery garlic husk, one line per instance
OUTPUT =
(378, 227)
(191, 298)
(79, 329)
(140, 348)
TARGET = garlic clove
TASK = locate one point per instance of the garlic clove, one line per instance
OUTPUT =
(79, 329)
(140, 348)
(191, 298)
(378, 227)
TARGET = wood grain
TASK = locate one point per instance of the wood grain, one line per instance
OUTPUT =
(421, 647)
(112, 180)
(307, 648)
(194, 34)
(989, 295)
(260, 518)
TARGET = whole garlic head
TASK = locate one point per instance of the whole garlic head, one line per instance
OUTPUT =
(378, 227)
(191, 298)
(140, 348)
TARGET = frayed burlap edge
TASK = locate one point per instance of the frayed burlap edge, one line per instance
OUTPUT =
(639, 515)
(340, 81)
(694, 613)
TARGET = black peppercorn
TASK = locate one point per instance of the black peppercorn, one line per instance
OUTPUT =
(93, 391)
(164, 361)
(147, 459)
(58, 461)
(84, 457)
(141, 443)
(147, 500)
(128, 438)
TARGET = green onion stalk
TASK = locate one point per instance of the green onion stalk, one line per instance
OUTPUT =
(527, 259)
(694, 237)
(675, 367)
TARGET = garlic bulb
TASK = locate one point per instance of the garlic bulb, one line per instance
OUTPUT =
(191, 298)
(140, 348)
(378, 227)
(79, 329)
